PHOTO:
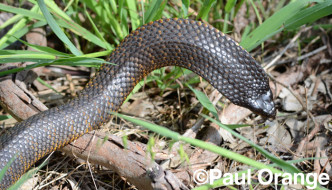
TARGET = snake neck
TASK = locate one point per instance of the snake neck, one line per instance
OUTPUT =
(185, 43)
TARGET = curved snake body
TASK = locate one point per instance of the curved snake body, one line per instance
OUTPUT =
(186, 43)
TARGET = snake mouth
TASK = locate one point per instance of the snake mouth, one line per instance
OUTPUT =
(264, 105)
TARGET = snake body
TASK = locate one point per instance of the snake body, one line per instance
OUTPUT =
(186, 43)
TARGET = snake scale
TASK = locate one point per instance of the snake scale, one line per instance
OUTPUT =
(191, 44)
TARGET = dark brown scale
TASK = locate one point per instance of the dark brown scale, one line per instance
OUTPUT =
(186, 43)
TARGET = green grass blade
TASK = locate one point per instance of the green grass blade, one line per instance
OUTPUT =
(56, 9)
(152, 10)
(11, 71)
(204, 100)
(225, 26)
(81, 60)
(98, 54)
(204, 11)
(13, 30)
(24, 12)
(95, 6)
(7, 56)
(28, 175)
(11, 21)
(47, 85)
(137, 87)
(229, 5)
(320, 26)
(65, 21)
(114, 6)
(133, 13)
(236, 126)
(45, 49)
(3, 171)
(310, 15)
(160, 11)
(152, 127)
(19, 33)
(123, 17)
(11, 53)
(113, 21)
(4, 117)
(107, 45)
(272, 24)
(262, 10)
(5, 40)
(185, 7)
(256, 12)
(206, 146)
(74, 61)
(238, 6)
(280, 4)
(62, 21)
(284, 165)
(68, 5)
(198, 143)
(218, 15)
(194, 80)
(79, 30)
(56, 29)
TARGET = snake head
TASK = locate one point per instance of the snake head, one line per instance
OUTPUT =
(264, 105)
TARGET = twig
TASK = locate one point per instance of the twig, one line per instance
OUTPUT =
(290, 90)
(290, 44)
(311, 53)
(300, 58)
